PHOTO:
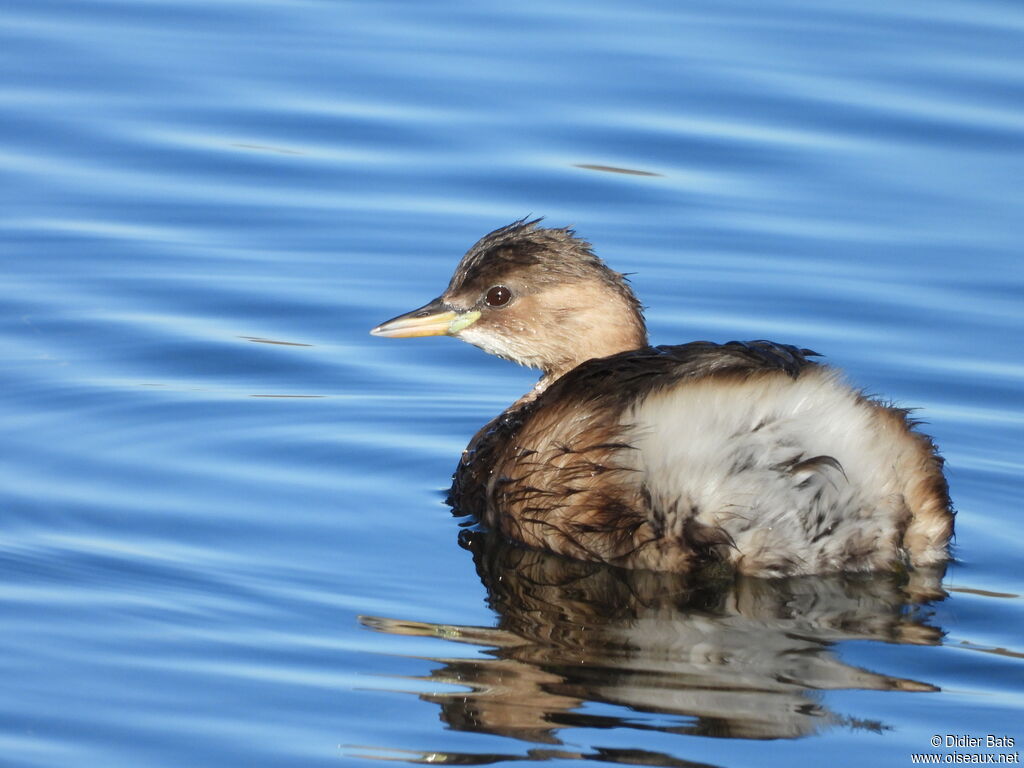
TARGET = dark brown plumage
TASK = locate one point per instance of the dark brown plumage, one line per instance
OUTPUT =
(522, 246)
(669, 457)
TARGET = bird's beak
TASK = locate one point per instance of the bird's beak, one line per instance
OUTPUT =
(433, 319)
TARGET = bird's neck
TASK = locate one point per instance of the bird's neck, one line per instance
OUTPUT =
(592, 340)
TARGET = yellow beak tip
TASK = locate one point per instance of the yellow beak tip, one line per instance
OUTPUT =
(438, 324)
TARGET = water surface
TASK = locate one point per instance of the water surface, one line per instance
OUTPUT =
(224, 538)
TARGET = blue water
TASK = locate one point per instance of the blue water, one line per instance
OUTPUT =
(223, 540)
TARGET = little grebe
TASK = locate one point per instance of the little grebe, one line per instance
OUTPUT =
(671, 457)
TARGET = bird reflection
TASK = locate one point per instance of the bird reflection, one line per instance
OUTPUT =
(703, 654)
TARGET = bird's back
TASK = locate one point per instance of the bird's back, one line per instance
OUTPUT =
(746, 453)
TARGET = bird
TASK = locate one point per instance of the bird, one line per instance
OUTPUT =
(752, 457)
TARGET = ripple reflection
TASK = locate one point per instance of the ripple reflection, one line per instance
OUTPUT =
(738, 658)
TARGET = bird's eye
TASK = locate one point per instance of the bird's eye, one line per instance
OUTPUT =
(498, 296)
